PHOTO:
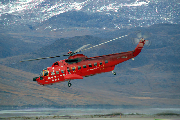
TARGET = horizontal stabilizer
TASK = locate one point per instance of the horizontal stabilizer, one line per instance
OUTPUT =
(73, 76)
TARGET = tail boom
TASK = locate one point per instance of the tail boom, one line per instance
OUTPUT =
(139, 47)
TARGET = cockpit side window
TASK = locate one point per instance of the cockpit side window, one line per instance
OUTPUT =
(44, 73)
(41, 74)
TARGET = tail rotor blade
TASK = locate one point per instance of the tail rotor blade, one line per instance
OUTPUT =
(135, 41)
(147, 35)
(148, 43)
(139, 35)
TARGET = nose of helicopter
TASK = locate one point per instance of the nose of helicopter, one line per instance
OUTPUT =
(35, 78)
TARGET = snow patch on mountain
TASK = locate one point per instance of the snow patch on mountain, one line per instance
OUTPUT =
(44, 9)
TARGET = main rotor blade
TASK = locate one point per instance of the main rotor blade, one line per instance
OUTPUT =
(66, 55)
(105, 42)
(84, 46)
(79, 49)
(39, 58)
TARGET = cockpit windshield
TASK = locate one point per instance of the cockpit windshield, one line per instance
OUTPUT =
(44, 73)
(41, 74)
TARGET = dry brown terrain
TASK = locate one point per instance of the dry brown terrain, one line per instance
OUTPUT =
(18, 89)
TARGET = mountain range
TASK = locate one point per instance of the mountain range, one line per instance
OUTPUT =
(151, 80)
(149, 11)
(41, 28)
(45, 20)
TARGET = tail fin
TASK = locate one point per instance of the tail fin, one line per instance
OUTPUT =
(139, 47)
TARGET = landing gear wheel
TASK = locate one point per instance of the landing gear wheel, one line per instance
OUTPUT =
(69, 84)
(114, 73)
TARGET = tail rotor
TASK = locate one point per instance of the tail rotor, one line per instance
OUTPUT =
(140, 36)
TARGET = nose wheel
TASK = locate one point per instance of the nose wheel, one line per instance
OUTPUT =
(69, 84)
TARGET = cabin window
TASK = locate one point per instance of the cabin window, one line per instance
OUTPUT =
(68, 69)
(106, 61)
(90, 65)
(57, 72)
(84, 66)
(100, 63)
(95, 64)
(52, 73)
(62, 71)
(73, 68)
(79, 67)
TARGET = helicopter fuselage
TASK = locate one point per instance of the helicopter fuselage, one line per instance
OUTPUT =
(79, 66)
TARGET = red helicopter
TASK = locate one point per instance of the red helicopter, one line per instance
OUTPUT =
(77, 66)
